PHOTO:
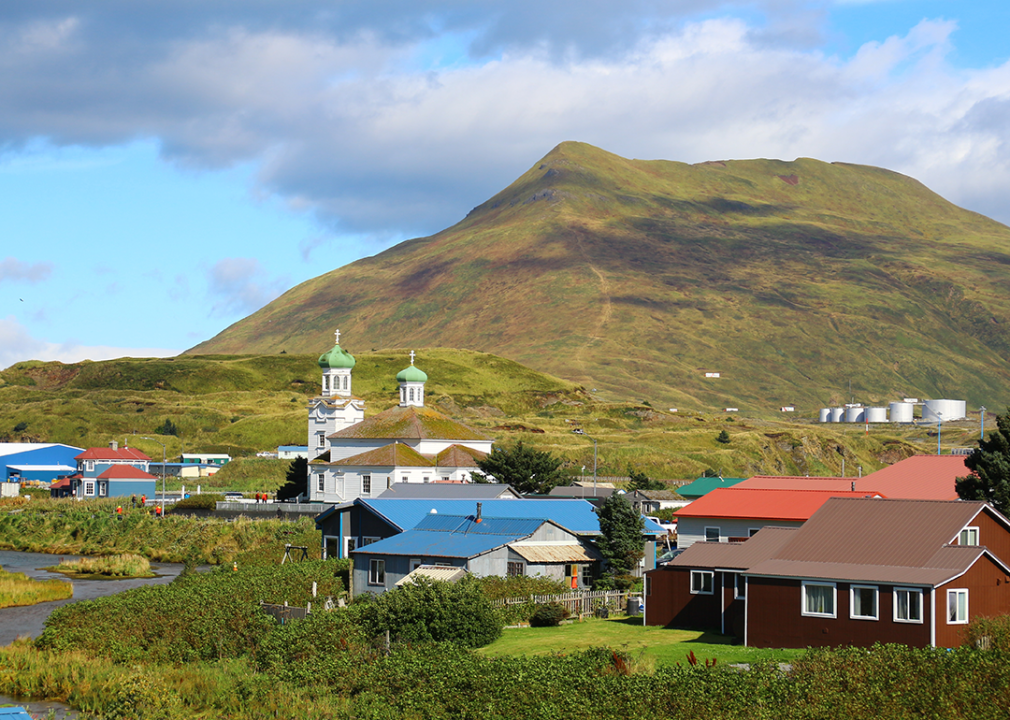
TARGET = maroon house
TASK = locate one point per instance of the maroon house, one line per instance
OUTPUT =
(859, 571)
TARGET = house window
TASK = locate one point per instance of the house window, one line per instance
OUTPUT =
(89, 489)
(320, 439)
(740, 590)
(751, 532)
(103, 489)
(366, 484)
(863, 602)
(369, 541)
(648, 586)
(331, 547)
(321, 482)
(907, 605)
(91, 465)
(969, 536)
(349, 545)
(572, 575)
(712, 534)
(427, 478)
(445, 478)
(376, 572)
(415, 563)
(819, 599)
(587, 575)
(405, 478)
(957, 607)
(515, 569)
(702, 582)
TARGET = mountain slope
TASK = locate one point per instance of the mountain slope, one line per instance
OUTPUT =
(793, 280)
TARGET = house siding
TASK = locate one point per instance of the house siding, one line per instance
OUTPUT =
(775, 619)
(671, 604)
(988, 588)
(992, 534)
(691, 530)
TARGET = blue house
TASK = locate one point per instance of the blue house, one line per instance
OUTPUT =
(44, 462)
(482, 546)
(357, 524)
(110, 472)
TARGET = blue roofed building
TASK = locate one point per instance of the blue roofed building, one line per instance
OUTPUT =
(43, 462)
(364, 521)
(481, 545)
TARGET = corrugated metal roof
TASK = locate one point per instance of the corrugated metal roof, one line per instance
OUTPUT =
(459, 456)
(905, 533)
(441, 573)
(126, 472)
(485, 526)
(425, 543)
(705, 485)
(757, 504)
(780, 482)
(576, 516)
(450, 491)
(926, 477)
(420, 423)
(547, 553)
(736, 555)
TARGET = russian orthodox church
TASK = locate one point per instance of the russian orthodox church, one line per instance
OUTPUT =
(352, 456)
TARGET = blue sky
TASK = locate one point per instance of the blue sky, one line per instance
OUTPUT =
(168, 168)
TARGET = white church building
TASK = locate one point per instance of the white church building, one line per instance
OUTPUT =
(352, 457)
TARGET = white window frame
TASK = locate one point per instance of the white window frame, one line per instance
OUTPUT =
(803, 599)
(959, 620)
(103, 489)
(718, 531)
(415, 563)
(326, 538)
(698, 588)
(350, 545)
(852, 602)
(911, 592)
(321, 482)
(751, 532)
(966, 534)
(90, 465)
(89, 488)
(369, 539)
(377, 572)
(320, 439)
(366, 485)
(740, 586)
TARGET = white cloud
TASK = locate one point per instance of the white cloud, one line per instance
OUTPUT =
(241, 286)
(18, 345)
(13, 269)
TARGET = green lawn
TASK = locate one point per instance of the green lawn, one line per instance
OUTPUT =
(654, 644)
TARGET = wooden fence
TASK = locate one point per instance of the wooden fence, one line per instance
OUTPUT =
(577, 603)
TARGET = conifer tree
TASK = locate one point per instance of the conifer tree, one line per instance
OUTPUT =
(990, 469)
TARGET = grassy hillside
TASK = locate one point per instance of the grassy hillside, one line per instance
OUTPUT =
(794, 280)
(242, 405)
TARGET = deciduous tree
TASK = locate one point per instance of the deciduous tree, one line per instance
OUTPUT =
(296, 481)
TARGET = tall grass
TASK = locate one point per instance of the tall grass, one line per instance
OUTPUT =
(124, 565)
(19, 589)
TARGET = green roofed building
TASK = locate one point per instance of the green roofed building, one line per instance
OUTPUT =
(335, 408)
(409, 443)
(705, 485)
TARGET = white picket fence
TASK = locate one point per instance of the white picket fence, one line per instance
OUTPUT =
(577, 603)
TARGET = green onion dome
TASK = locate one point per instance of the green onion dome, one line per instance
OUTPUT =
(336, 359)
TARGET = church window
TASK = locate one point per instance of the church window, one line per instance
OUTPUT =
(321, 482)
(346, 380)
(366, 484)
(326, 383)
(411, 391)
(320, 439)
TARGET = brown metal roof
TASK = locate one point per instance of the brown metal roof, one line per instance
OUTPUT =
(737, 555)
(443, 573)
(555, 553)
(392, 455)
(900, 533)
(948, 562)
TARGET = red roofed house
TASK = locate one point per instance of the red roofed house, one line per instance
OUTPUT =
(406, 443)
(111, 472)
(736, 513)
(922, 477)
(859, 571)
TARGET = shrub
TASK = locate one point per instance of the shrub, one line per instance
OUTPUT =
(433, 611)
(548, 615)
(206, 501)
(167, 428)
(722, 437)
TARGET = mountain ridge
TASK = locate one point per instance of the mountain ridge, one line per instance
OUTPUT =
(790, 278)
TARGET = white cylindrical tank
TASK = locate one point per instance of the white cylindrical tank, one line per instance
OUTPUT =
(902, 412)
(854, 414)
(825, 415)
(948, 409)
(837, 414)
(876, 415)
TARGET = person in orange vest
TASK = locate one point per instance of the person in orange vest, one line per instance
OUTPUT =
(157, 511)
(143, 500)
(119, 510)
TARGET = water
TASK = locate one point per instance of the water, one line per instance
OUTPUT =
(28, 621)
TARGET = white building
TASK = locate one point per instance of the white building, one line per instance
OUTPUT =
(409, 443)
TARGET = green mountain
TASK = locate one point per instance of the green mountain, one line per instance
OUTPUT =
(802, 282)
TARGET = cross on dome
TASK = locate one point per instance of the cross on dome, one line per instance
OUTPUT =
(411, 357)
(337, 334)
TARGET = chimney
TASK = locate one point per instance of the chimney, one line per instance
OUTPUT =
(853, 486)
(479, 506)
(114, 445)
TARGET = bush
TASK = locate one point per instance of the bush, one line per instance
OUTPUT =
(433, 611)
(722, 437)
(548, 615)
(206, 501)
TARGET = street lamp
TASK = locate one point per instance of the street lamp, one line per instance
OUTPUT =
(578, 431)
(164, 462)
(939, 430)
